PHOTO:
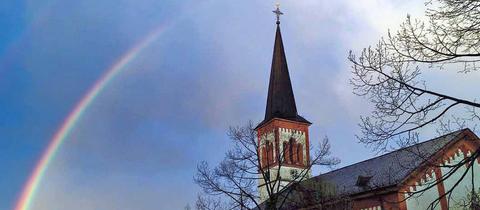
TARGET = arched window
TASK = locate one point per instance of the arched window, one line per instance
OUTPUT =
(270, 152)
(291, 150)
(264, 156)
(294, 153)
(286, 154)
(300, 154)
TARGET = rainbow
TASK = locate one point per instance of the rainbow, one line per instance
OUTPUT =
(29, 190)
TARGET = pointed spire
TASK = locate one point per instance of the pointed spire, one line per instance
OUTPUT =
(280, 99)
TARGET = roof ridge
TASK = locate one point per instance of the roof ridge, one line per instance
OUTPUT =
(398, 150)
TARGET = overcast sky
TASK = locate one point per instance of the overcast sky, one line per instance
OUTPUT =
(137, 145)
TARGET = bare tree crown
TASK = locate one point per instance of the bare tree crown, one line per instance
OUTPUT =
(390, 76)
(237, 175)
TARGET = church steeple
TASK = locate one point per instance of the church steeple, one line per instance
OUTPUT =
(283, 141)
(280, 99)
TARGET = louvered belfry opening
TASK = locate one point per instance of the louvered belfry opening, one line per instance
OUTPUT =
(293, 153)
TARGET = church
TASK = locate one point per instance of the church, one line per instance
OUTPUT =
(413, 178)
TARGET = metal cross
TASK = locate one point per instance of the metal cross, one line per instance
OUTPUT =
(278, 12)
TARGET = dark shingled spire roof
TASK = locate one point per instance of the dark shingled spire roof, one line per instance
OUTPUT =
(280, 100)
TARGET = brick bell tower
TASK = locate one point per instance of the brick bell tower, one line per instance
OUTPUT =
(283, 134)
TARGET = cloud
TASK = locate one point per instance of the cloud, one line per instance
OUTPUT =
(109, 191)
(137, 146)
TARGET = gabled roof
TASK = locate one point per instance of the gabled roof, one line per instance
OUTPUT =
(386, 170)
(280, 99)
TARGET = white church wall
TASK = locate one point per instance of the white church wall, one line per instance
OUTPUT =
(287, 173)
(461, 192)
(299, 136)
(286, 176)
(422, 201)
(270, 136)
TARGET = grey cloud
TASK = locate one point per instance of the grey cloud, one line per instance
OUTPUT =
(145, 133)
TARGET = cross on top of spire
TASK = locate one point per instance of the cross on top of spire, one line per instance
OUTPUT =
(278, 13)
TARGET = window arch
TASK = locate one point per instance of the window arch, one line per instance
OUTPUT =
(294, 153)
(270, 152)
(300, 154)
(291, 151)
(264, 156)
(286, 154)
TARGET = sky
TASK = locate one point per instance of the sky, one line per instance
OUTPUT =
(137, 145)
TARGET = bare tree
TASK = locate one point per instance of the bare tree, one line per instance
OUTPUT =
(238, 175)
(390, 76)
(210, 203)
